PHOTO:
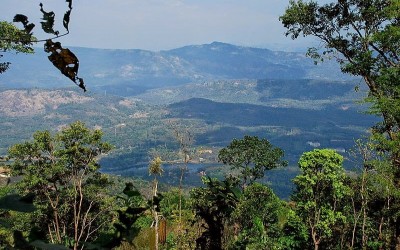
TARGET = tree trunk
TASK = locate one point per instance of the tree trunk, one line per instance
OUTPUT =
(156, 228)
(216, 237)
(397, 234)
(155, 214)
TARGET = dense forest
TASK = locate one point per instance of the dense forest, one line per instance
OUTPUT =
(53, 195)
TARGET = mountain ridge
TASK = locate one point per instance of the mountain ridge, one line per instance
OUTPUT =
(130, 72)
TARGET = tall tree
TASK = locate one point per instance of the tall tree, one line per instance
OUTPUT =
(185, 139)
(155, 169)
(364, 37)
(214, 204)
(258, 214)
(320, 188)
(62, 172)
(251, 156)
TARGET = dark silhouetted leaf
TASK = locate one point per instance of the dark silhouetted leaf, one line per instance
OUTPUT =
(4, 66)
(69, 3)
(19, 18)
(48, 21)
(20, 241)
(66, 19)
(64, 60)
(67, 15)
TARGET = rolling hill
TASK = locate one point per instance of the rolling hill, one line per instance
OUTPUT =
(131, 72)
(218, 91)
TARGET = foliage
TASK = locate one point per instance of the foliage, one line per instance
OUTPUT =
(169, 205)
(258, 215)
(364, 37)
(13, 39)
(132, 208)
(320, 189)
(21, 40)
(155, 167)
(214, 204)
(294, 233)
(251, 156)
(61, 171)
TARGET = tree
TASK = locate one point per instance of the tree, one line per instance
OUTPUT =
(251, 156)
(13, 39)
(21, 40)
(258, 214)
(214, 204)
(132, 207)
(320, 189)
(185, 139)
(155, 169)
(62, 173)
(364, 36)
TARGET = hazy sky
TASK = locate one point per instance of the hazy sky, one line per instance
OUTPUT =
(163, 24)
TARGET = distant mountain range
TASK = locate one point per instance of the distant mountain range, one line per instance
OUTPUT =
(131, 72)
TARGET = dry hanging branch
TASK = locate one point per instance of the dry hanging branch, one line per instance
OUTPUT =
(62, 58)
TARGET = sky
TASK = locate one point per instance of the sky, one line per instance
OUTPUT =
(163, 24)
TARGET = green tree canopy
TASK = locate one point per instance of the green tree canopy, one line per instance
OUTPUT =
(62, 172)
(364, 37)
(13, 39)
(251, 156)
(258, 215)
(319, 190)
(214, 204)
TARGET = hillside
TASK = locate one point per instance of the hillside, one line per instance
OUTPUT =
(24, 111)
(218, 91)
(296, 93)
(134, 127)
(131, 72)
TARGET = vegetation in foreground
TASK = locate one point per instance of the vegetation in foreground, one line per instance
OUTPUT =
(60, 200)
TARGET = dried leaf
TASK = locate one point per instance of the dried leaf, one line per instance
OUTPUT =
(65, 61)
(48, 21)
(67, 15)
(66, 19)
(4, 66)
(69, 4)
(19, 18)
(17, 203)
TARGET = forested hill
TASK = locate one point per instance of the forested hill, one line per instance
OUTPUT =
(129, 72)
